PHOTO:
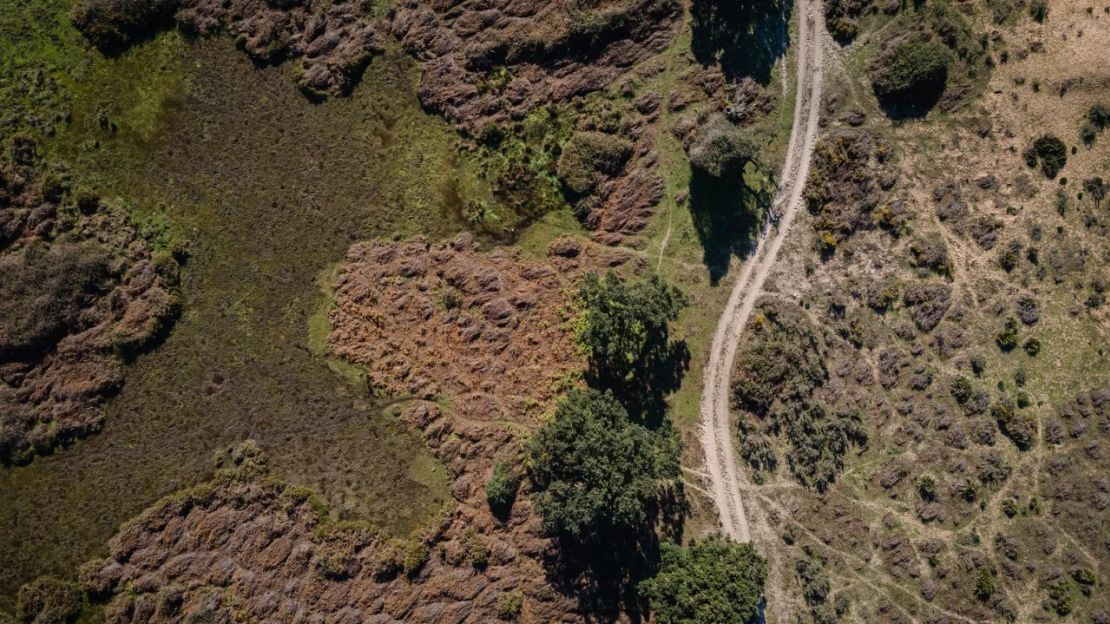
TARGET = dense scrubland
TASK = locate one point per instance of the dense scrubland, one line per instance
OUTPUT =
(257, 322)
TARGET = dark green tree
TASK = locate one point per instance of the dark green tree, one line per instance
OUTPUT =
(714, 581)
(1050, 151)
(595, 472)
(625, 332)
(1096, 188)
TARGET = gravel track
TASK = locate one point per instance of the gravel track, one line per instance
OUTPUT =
(726, 479)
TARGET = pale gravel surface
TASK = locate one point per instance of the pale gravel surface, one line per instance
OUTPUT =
(726, 479)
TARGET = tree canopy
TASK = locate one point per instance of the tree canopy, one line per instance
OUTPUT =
(624, 331)
(714, 581)
(594, 470)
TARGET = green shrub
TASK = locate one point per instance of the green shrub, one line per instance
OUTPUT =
(501, 489)
(1021, 428)
(48, 600)
(509, 605)
(476, 549)
(815, 583)
(587, 157)
(911, 72)
(1032, 346)
(984, 584)
(1062, 597)
(1038, 10)
(927, 487)
(1007, 339)
(713, 581)
(721, 148)
(960, 389)
(1084, 576)
(1050, 151)
(416, 555)
(1096, 188)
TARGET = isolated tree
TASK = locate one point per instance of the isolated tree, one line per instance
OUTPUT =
(1050, 151)
(594, 471)
(713, 581)
(1096, 188)
(721, 148)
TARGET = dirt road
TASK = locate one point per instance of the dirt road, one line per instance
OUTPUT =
(726, 479)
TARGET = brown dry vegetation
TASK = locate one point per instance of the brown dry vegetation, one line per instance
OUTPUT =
(83, 290)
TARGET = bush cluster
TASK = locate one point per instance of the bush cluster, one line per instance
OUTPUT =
(1050, 151)
(588, 157)
(713, 581)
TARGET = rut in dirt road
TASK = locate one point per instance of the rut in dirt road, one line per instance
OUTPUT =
(725, 476)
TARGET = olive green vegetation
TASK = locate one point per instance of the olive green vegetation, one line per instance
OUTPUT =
(712, 581)
(501, 489)
(519, 162)
(589, 155)
(48, 600)
(268, 190)
(722, 149)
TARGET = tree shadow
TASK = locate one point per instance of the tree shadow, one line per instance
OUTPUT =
(644, 395)
(603, 571)
(726, 215)
(745, 36)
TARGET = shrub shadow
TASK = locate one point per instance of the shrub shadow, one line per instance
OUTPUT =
(905, 109)
(723, 215)
(745, 37)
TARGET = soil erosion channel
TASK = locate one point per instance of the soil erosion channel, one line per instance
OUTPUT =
(270, 190)
(726, 479)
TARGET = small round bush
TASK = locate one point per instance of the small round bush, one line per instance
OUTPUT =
(587, 157)
(912, 72)
(501, 489)
(509, 605)
(1051, 152)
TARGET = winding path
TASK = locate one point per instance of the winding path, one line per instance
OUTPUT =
(725, 478)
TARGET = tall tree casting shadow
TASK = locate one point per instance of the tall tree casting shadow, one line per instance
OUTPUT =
(745, 36)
